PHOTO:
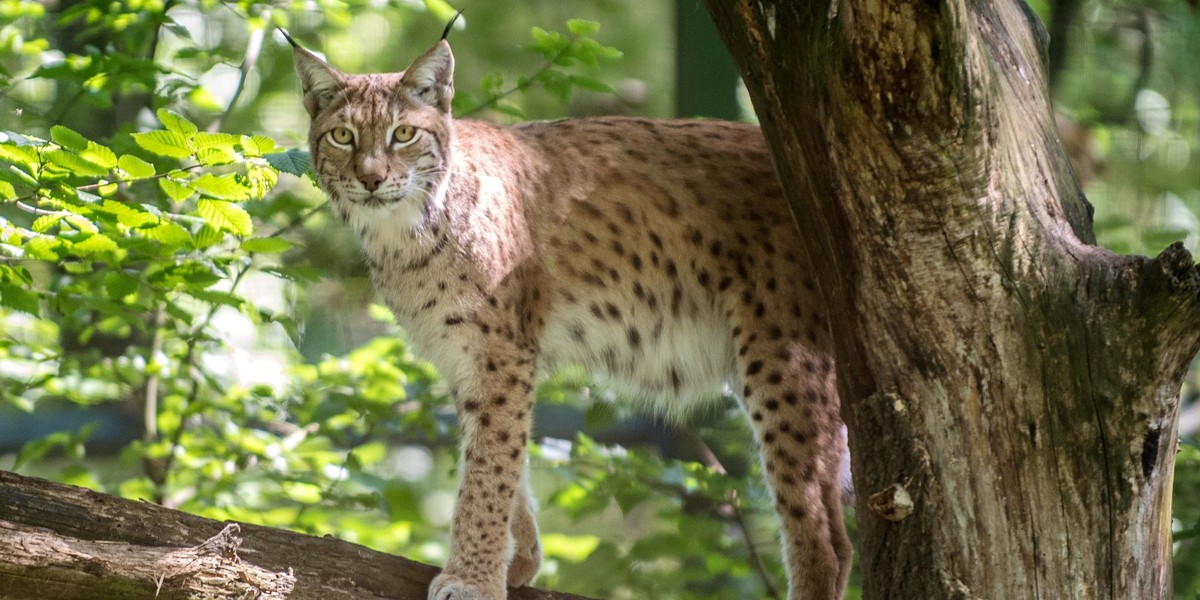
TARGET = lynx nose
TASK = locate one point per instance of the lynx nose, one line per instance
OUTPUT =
(371, 181)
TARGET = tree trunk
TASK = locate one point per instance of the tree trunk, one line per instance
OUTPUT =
(1019, 384)
(69, 543)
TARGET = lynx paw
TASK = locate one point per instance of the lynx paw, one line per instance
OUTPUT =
(527, 555)
(525, 564)
(453, 587)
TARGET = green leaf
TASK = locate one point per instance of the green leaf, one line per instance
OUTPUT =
(46, 248)
(43, 223)
(81, 223)
(215, 147)
(174, 190)
(25, 157)
(261, 180)
(256, 146)
(96, 244)
(225, 216)
(135, 167)
(266, 245)
(7, 191)
(75, 163)
(294, 161)
(118, 285)
(168, 233)
(589, 83)
(176, 123)
(222, 187)
(583, 27)
(100, 155)
(205, 139)
(208, 235)
(131, 216)
(17, 298)
(68, 138)
(211, 157)
(164, 143)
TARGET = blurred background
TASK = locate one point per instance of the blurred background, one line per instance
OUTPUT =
(241, 369)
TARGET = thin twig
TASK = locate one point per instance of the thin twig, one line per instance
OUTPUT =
(298, 221)
(150, 409)
(99, 184)
(254, 47)
(188, 361)
(739, 519)
(520, 87)
(33, 210)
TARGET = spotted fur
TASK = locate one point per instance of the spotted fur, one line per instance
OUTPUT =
(659, 254)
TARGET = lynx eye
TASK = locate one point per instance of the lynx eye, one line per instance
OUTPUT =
(404, 134)
(342, 135)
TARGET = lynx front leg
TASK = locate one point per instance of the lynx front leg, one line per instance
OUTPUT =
(494, 419)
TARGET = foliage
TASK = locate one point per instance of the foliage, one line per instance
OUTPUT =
(174, 298)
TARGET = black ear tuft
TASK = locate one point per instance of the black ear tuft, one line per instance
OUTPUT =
(320, 82)
(288, 37)
(446, 31)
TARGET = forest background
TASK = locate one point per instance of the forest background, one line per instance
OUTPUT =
(183, 321)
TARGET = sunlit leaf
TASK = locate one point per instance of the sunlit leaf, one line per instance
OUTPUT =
(126, 214)
(68, 138)
(208, 235)
(174, 190)
(216, 155)
(225, 216)
(25, 157)
(205, 139)
(223, 187)
(135, 167)
(75, 163)
(100, 155)
(43, 223)
(163, 143)
(176, 123)
(96, 244)
(167, 233)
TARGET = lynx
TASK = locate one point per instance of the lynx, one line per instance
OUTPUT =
(659, 254)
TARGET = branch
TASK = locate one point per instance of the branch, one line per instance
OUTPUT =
(69, 543)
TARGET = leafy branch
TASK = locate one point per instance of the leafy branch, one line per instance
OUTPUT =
(558, 51)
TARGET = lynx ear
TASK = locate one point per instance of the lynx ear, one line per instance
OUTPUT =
(321, 83)
(430, 79)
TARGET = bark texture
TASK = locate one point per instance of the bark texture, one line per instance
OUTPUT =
(1017, 383)
(68, 543)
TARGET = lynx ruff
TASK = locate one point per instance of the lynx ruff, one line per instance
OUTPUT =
(659, 254)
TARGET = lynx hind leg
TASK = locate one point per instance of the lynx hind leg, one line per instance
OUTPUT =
(790, 396)
(526, 547)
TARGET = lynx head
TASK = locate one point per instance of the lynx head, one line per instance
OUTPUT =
(380, 141)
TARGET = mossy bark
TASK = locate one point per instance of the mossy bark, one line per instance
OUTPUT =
(1018, 382)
